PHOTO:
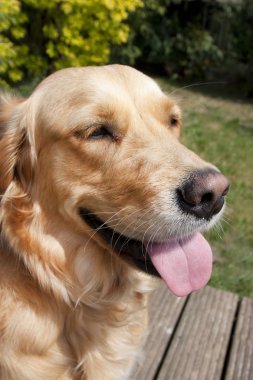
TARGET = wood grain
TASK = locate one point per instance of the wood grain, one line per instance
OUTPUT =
(164, 312)
(240, 366)
(200, 343)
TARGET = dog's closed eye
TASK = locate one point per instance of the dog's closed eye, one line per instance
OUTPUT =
(96, 132)
(101, 132)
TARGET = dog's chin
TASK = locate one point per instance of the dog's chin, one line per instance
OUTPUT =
(131, 250)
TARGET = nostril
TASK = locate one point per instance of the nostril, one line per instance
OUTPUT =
(207, 197)
(187, 197)
(190, 194)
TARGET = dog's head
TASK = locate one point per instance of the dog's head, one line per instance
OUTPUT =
(98, 150)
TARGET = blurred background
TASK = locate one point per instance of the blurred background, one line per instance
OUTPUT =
(200, 52)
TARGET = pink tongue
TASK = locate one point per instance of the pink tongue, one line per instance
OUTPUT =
(185, 265)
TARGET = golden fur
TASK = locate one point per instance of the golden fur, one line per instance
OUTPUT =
(70, 308)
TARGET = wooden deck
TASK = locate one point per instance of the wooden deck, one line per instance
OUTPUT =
(207, 336)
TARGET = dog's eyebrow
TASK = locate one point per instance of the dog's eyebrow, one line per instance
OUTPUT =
(168, 106)
(172, 108)
(84, 117)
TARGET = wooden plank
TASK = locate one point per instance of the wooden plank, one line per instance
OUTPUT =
(200, 343)
(164, 312)
(240, 366)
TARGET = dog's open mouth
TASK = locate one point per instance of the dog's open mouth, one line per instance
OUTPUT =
(185, 264)
(130, 249)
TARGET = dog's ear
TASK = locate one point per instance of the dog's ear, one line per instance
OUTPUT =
(15, 151)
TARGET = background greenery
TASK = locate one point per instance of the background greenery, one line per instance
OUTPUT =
(185, 39)
(180, 43)
(38, 37)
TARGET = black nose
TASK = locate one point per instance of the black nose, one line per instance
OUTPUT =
(202, 194)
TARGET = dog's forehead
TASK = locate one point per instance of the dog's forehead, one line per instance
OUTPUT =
(96, 83)
(123, 88)
(133, 81)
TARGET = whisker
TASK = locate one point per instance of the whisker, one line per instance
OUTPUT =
(150, 242)
(120, 221)
(103, 225)
(143, 238)
(195, 85)
(136, 227)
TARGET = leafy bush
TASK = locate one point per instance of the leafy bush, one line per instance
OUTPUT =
(38, 37)
(201, 39)
(12, 53)
(243, 32)
(173, 34)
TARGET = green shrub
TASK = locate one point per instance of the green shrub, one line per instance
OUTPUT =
(243, 32)
(243, 45)
(37, 37)
(172, 34)
(12, 52)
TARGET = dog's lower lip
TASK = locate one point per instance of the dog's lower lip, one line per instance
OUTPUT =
(132, 250)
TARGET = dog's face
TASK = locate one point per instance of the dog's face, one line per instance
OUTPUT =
(105, 155)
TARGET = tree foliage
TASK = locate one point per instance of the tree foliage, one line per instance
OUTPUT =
(202, 39)
(242, 30)
(172, 34)
(185, 38)
(37, 37)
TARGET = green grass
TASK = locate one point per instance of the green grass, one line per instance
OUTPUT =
(231, 148)
(221, 131)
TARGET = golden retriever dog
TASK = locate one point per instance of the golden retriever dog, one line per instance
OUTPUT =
(98, 198)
